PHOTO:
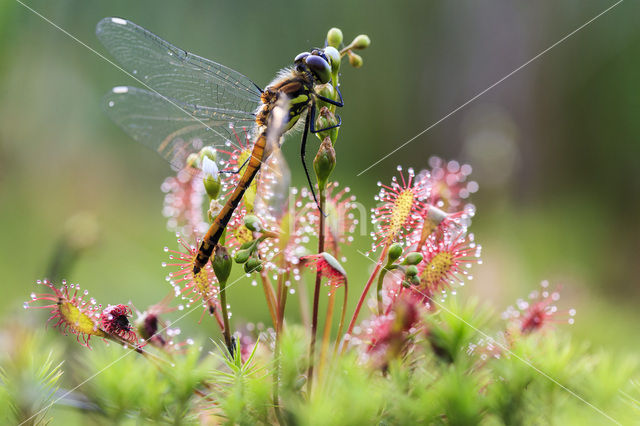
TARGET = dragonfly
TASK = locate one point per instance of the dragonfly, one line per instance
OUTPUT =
(189, 102)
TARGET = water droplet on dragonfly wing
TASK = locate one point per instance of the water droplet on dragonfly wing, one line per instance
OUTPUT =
(25, 305)
(292, 291)
(111, 103)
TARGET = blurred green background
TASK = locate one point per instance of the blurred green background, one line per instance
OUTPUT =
(554, 147)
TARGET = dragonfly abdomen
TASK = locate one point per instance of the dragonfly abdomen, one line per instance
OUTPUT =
(222, 219)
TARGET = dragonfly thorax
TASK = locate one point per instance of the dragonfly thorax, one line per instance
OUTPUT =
(296, 87)
(296, 83)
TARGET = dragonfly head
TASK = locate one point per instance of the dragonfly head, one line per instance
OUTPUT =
(316, 63)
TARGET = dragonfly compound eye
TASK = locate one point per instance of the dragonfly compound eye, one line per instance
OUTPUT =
(320, 52)
(319, 67)
(301, 56)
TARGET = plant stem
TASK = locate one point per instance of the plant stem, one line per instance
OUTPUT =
(342, 316)
(316, 296)
(216, 314)
(327, 331)
(282, 301)
(379, 289)
(276, 382)
(225, 318)
(363, 296)
(270, 295)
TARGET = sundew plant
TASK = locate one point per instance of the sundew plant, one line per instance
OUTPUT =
(408, 351)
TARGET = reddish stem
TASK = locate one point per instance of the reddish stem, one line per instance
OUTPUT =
(316, 296)
(363, 296)
(270, 296)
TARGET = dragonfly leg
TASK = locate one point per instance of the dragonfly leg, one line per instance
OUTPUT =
(314, 130)
(235, 172)
(257, 87)
(303, 152)
(339, 103)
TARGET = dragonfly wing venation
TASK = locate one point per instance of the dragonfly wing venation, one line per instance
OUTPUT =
(174, 72)
(274, 183)
(172, 128)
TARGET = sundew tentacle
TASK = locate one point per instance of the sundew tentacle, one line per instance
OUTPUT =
(71, 311)
(400, 210)
(189, 286)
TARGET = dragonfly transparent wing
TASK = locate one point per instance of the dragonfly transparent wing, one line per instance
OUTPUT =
(190, 101)
(172, 128)
(174, 72)
(275, 177)
(274, 182)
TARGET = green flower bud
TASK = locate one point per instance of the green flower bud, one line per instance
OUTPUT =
(354, 59)
(395, 251)
(411, 271)
(414, 280)
(406, 284)
(221, 263)
(326, 118)
(253, 265)
(361, 42)
(252, 223)
(412, 258)
(324, 162)
(327, 91)
(242, 256)
(211, 180)
(246, 245)
(208, 152)
(212, 186)
(334, 57)
(334, 37)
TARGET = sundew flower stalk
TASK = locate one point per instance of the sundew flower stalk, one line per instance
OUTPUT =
(325, 160)
(330, 268)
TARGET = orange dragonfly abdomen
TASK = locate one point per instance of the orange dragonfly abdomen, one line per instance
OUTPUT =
(222, 219)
